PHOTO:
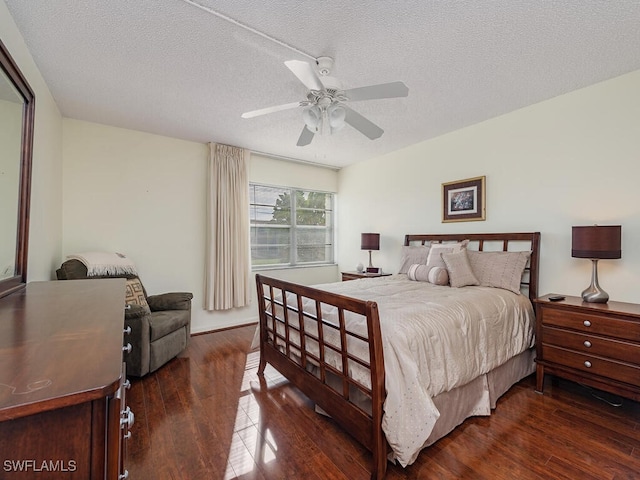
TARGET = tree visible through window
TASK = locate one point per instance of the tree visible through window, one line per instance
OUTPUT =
(290, 226)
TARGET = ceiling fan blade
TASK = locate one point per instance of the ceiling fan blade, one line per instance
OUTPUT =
(364, 126)
(277, 108)
(305, 73)
(305, 137)
(372, 92)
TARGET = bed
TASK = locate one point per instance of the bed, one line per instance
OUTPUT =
(399, 363)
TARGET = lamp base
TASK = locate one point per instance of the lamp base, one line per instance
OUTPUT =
(595, 294)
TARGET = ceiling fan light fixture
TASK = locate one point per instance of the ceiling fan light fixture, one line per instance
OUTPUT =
(312, 117)
(336, 114)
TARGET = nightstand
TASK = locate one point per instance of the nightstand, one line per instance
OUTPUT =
(596, 344)
(355, 275)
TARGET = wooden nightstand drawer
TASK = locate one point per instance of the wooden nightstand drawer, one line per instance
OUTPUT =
(356, 275)
(351, 276)
(623, 372)
(592, 345)
(612, 326)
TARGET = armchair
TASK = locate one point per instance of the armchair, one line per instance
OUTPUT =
(160, 324)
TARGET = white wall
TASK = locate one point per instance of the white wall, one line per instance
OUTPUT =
(572, 160)
(144, 195)
(45, 234)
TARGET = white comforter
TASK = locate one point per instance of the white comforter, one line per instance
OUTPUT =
(435, 339)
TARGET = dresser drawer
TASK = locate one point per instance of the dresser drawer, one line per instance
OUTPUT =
(593, 365)
(592, 345)
(611, 326)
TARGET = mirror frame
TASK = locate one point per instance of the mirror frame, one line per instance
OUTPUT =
(9, 67)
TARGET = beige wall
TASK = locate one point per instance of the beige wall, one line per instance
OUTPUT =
(45, 234)
(572, 160)
(144, 195)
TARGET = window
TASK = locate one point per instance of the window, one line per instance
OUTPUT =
(290, 227)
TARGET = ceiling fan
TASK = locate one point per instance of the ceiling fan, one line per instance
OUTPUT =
(325, 106)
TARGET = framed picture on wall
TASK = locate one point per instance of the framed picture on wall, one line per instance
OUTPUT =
(463, 200)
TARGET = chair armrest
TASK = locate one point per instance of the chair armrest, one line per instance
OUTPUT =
(170, 301)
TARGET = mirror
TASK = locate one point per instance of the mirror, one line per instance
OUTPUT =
(17, 110)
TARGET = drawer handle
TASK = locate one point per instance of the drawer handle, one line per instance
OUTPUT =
(127, 330)
(127, 348)
(127, 435)
(127, 418)
(124, 476)
(587, 364)
(586, 323)
(587, 343)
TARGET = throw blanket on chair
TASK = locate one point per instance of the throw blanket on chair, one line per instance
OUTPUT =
(104, 263)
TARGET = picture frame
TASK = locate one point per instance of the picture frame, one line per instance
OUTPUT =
(464, 200)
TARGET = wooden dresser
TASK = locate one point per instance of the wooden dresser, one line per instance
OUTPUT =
(590, 343)
(62, 385)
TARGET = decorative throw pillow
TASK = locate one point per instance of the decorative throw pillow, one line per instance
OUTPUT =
(134, 293)
(499, 269)
(424, 273)
(436, 250)
(413, 254)
(459, 269)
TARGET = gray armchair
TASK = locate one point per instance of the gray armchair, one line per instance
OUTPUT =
(158, 333)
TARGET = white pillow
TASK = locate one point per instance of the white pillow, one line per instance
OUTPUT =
(413, 254)
(459, 269)
(424, 273)
(499, 269)
(437, 249)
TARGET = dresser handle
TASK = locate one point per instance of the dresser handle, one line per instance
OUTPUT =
(124, 476)
(127, 348)
(127, 418)
(127, 330)
(586, 323)
(587, 343)
(587, 364)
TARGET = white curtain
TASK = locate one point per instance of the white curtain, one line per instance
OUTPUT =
(228, 267)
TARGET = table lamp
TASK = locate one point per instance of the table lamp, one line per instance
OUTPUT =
(596, 242)
(370, 241)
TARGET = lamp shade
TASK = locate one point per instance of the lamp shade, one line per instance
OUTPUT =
(596, 241)
(312, 117)
(336, 114)
(370, 241)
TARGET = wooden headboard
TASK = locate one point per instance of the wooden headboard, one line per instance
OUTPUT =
(494, 242)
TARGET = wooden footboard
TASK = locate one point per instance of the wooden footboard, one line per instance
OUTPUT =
(311, 351)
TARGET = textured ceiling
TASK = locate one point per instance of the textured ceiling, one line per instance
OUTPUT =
(171, 68)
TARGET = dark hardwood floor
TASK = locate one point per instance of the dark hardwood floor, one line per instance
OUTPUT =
(198, 417)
